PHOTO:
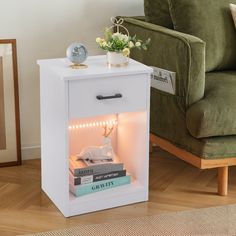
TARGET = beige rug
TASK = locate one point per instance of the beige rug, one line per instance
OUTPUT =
(209, 221)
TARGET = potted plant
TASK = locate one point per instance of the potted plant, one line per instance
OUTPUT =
(118, 45)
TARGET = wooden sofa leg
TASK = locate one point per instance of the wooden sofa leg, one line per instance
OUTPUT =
(150, 147)
(223, 181)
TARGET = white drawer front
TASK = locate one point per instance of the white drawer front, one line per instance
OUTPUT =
(94, 97)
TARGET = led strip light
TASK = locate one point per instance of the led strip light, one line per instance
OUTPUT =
(93, 124)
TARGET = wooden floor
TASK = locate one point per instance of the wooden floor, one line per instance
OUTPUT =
(174, 186)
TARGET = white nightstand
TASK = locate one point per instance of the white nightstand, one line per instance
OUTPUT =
(97, 93)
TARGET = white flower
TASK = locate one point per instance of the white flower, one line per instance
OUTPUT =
(137, 44)
(126, 52)
(120, 36)
(98, 40)
(116, 35)
(104, 44)
(101, 41)
(125, 37)
(131, 44)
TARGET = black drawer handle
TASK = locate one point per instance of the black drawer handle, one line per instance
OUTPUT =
(117, 95)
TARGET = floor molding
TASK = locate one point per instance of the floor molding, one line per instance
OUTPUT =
(31, 152)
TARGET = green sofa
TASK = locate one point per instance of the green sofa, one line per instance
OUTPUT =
(197, 40)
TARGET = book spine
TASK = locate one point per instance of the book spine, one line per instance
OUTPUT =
(95, 178)
(99, 169)
(81, 190)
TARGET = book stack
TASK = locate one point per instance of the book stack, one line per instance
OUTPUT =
(92, 176)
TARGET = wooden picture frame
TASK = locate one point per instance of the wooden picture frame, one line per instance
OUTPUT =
(10, 144)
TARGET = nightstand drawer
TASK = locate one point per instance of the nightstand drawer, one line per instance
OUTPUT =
(94, 97)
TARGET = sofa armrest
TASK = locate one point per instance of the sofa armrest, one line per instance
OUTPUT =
(174, 51)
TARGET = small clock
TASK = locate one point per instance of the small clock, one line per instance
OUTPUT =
(77, 53)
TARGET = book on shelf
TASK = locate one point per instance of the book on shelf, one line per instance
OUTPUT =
(80, 190)
(81, 168)
(87, 179)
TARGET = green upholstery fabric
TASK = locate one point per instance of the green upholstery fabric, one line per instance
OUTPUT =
(174, 51)
(157, 12)
(185, 55)
(169, 122)
(210, 20)
(215, 115)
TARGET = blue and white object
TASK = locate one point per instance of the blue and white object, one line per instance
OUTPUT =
(77, 53)
(80, 190)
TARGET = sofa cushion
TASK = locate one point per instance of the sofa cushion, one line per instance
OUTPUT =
(157, 12)
(168, 121)
(210, 20)
(215, 115)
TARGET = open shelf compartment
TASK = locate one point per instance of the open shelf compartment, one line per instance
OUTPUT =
(128, 137)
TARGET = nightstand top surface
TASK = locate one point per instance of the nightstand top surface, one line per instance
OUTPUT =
(97, 67)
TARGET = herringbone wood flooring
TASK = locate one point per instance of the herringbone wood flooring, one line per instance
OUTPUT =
(174, 186)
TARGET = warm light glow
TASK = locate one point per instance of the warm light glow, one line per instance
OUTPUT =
(93, 124)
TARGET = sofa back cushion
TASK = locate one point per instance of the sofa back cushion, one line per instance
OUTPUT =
(157, 12)
(211, 21)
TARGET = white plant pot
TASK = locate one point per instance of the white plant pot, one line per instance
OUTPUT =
(116, 59)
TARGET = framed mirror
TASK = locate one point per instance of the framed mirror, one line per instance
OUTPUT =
(10, 151)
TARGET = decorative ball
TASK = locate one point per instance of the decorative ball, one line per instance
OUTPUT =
(77, 53)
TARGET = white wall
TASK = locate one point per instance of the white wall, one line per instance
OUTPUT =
(44, 29)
